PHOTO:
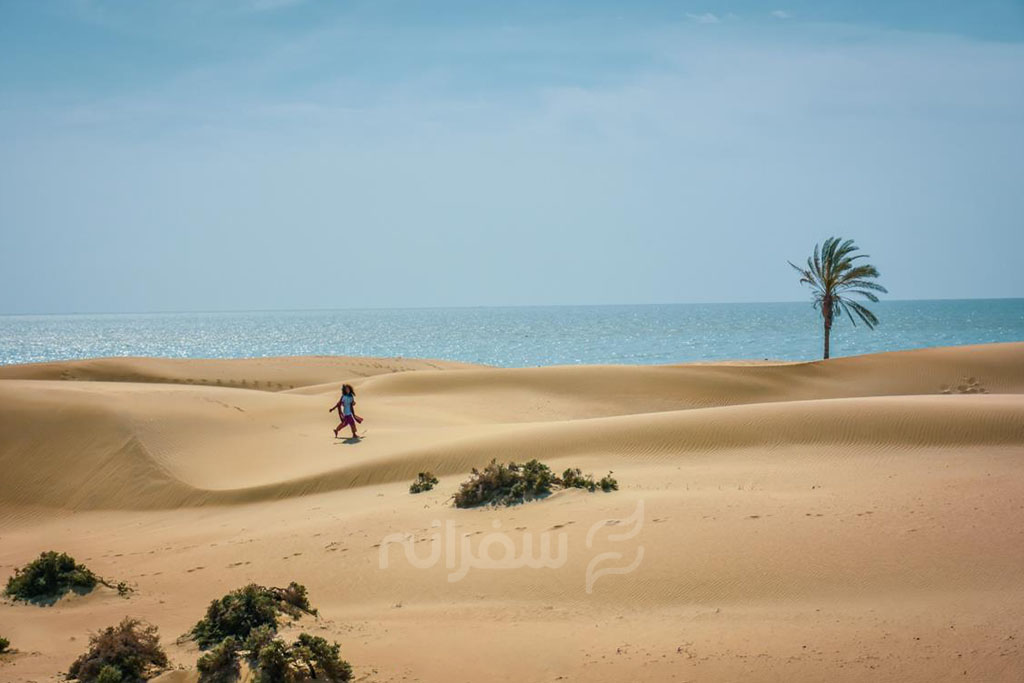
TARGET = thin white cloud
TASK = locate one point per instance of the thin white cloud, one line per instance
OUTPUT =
(705, 18)
(781, 14)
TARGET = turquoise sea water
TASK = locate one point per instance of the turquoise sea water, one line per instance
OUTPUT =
(513, 336)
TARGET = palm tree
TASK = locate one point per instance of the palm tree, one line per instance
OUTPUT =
(834, 278)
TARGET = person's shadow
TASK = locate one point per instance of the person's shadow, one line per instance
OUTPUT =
(352, 440)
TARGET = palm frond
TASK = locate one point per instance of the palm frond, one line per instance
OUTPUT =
(836, 272)
(864, 314)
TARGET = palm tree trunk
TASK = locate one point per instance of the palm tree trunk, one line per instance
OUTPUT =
(826, 313)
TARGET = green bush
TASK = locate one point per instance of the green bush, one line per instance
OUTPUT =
(501, 484)
(130, 650)
(308, 657)
(273, 664)
(4, 645)
(274, 661)
(258, 639)
(573, 478)
(424, 482)
(110, 674)
(240, 611)
(220, 665)
(50, 576)
(321, 658)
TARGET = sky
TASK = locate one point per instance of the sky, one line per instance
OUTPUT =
(290, 154)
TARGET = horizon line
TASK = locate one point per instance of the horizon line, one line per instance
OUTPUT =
(468, 307)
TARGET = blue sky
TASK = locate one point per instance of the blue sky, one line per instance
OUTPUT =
(255, 154)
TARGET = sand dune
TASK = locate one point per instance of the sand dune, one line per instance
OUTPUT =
(268, 374)
(855, 519)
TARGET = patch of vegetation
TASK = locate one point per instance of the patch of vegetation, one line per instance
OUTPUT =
(50, 576)
(54, 574)
(272, 664)
(243, 623)
(128, 652)
(514, 483)
(220, 665)
(424, 482)
(505, 484)
(573, 478)
(241, 611)
(320, 658)
(259, 638)
(274, 661)
(110, 674)
(608, 483)
(5, 645)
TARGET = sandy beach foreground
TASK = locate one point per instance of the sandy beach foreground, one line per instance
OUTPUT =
(855, 519)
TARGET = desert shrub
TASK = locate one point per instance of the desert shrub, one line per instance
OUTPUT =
(321, 658)
(308, 657)
(240, 611)
(50, 576)
(257, 640)
(4, 645)
(294, 600)
(537, 478)
(274, 661)
(573, 478)
(110, 674)
(273, 664)
(132, 648)
(501, 484)
(424, 482)
(220, 665)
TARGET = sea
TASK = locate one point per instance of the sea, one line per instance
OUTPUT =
(514, 336)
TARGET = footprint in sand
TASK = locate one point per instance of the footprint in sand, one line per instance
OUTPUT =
(194, 569)
(966, 385)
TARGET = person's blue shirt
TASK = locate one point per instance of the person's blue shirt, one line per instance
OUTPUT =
(346, 404)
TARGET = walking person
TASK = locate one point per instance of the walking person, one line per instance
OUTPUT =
(346, 410)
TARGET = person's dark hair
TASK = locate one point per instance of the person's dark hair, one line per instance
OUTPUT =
(347, 390)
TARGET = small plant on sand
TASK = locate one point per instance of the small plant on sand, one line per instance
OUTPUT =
(424, 482)
(308, 657)
(220, 665)
(54, 574)
(258, 639)
(608, 483)
(110, 674)
(274, 661)
(320, 658)
(130, 651)
(505, 484)
(573, 478)
(5, 645)
(240, 611)
(50, 576)
(513, 483)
